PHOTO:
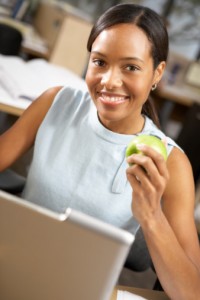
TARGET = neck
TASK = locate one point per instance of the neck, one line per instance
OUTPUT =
(128, 127)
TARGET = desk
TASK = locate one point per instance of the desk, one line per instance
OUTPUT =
(23, 80)
(12, 106)
(11, 109)
(148, 294)
(173, 85)
(173, 88)
(179, 93)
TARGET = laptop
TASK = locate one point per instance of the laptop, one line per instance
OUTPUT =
(50, 256)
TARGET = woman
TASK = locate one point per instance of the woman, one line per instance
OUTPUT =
(80, 141)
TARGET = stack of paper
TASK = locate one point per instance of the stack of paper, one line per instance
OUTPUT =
(124, 295)
(28, 79)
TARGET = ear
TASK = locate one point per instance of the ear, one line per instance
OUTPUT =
(159, 72)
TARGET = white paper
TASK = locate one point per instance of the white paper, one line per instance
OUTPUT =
(124, 295)
(27, 80)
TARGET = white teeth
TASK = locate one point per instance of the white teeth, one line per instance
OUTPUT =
(113, 99)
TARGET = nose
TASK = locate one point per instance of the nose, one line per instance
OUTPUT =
(111, 79)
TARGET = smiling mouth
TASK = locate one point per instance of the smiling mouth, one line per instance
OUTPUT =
(113, 99)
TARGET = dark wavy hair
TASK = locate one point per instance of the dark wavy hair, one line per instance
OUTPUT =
(153, 26)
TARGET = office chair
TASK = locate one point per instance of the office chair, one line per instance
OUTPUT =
(10, 40)
(10, 44)
(11, 182)
(189, 140)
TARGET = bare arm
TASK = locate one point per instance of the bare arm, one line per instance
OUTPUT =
(21, 136)
(169, 229)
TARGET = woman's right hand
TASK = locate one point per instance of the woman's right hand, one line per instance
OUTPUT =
(148, 176)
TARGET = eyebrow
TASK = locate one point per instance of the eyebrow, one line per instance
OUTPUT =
(123, 58)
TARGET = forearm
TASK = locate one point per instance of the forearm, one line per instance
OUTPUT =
(179, 277)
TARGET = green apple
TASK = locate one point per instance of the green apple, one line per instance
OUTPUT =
(149, 140)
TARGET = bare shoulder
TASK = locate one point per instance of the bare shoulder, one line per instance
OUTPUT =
(47, 97)
(179, 162)
(39, 107)
(51, 92)
(180, 189)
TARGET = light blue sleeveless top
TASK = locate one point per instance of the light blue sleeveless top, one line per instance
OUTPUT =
(78, 163)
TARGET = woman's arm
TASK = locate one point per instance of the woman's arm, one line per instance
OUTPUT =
(21, 136)
(169, 228)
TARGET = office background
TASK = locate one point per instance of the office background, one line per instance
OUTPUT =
(182, 16)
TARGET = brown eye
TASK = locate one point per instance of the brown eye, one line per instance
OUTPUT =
(132, 68)
(99, 62)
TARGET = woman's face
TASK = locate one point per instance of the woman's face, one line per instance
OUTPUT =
(120, 76)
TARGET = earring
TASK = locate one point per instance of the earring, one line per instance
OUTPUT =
(154, 86)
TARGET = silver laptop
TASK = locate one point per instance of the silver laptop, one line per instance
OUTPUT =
(50, 256)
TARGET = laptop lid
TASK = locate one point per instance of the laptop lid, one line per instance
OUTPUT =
(48, 256)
